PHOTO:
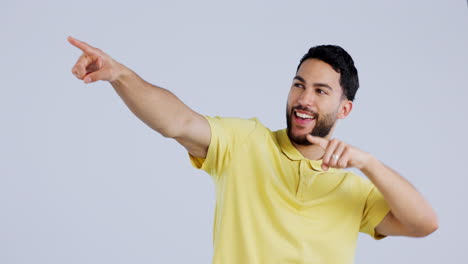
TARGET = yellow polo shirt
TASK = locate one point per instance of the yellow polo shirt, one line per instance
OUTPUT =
(275, 206)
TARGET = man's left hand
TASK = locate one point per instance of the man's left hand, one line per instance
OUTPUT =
(338, 154)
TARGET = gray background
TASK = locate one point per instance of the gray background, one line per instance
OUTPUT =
(82, 180)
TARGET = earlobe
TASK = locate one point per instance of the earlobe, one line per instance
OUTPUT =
(346, 108)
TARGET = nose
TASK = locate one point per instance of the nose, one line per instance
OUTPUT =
(307, 97)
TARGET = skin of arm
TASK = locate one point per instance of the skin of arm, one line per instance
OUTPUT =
(410, 215)
(157, 107)
(161, 110)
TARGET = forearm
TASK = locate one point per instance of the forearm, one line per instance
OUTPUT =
(157, 107)
(406, 203)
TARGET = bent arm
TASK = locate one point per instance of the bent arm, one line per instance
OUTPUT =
(411, 214)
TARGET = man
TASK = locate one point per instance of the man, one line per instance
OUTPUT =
(282, 196)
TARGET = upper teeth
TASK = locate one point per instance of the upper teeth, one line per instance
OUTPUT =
(302, 115)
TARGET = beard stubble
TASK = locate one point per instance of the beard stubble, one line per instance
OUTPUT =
(322, 127)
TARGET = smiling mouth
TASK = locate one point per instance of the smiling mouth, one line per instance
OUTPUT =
(304, 115)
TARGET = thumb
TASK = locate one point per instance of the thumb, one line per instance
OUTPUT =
(94, 76)
(324, 167)
(322, 142)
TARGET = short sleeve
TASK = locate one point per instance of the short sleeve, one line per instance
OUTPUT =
(375, 209)
(227, 134)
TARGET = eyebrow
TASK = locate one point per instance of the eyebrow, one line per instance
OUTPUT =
(323, 85)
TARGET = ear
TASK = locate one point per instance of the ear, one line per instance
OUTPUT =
(345, 108)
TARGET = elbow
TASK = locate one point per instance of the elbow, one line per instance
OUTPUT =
(166, 131)
(163, 132)
(434, 226)
(428, 229)
(167, 134)
(426, 232)
(170, 134)
(176, 129)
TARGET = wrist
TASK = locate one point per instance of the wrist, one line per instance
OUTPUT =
(368, 163)
(120, 73)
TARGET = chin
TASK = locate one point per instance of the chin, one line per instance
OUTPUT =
(299, 138)
(301, 131)
(301, 134)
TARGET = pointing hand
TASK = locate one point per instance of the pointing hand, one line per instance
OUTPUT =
(339, 154)
(94, 65)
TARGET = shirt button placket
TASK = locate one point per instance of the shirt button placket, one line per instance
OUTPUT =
(303, 179)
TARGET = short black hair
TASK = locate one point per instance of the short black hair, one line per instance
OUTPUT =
(341, 62)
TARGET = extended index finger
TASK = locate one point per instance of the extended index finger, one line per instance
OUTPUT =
(322, 142)
(85, 47)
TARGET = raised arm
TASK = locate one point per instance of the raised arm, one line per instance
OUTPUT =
(157, 107)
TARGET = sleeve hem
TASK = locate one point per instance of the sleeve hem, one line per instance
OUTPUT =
(204, 163)
(375, 221)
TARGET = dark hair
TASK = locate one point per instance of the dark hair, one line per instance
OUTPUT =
(341, 62)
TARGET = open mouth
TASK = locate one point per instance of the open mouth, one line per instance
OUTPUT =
(302, 115)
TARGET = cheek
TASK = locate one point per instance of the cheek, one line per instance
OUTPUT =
(288, 103)
(292, 97)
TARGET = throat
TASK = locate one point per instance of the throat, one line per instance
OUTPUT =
(312, 152)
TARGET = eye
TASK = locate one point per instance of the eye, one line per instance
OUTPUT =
(298, 85)
(320, 91)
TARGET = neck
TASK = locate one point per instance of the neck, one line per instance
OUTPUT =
(312, 152)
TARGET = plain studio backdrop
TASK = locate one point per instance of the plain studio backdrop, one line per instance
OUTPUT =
(83, 180)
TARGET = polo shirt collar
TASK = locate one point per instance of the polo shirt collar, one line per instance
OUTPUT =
(292, 153)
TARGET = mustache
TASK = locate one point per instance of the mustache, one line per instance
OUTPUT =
(303, 108)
